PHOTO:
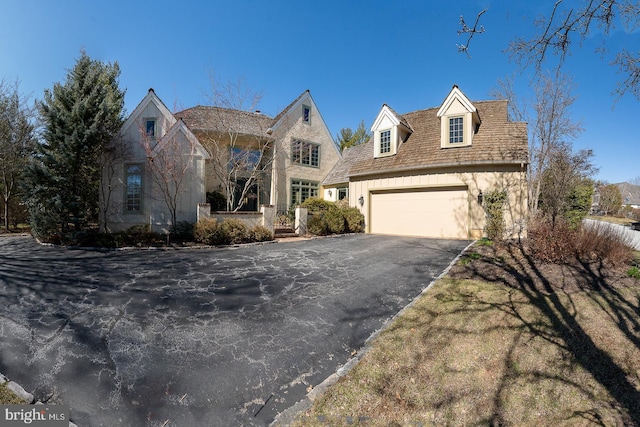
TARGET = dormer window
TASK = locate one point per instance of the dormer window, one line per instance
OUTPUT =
(456, 130)
(385, 141)
(459, 120)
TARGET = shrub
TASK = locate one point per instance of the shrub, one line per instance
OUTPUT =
(208, 231)
(317, 225)
(494, 205)
(235, 231)
(335, 220)
(602, 242)
(317, 205)
(183, 230)
(261, 234)
(551, 244)
(354, 219)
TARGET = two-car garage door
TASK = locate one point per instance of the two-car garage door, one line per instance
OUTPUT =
(440, 213)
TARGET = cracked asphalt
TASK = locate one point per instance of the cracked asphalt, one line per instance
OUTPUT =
(221, 336)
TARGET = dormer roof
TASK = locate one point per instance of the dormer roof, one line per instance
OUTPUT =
(457, 95)
(394, 117)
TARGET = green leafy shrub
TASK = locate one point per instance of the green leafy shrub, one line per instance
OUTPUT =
(332, 218)
(261, 234)
(494, 206)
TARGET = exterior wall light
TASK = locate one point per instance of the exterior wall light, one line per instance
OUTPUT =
(480, 197)
(361, 200)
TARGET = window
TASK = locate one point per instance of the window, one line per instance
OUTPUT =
(133, 191)
(302, 190)
(305, 153)
(244, 159)
(150, 127)
(385, 141)
(306, 114)
(456, 130)
(343, 193)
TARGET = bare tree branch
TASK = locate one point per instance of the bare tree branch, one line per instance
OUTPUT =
(471, 31)
(565, 26)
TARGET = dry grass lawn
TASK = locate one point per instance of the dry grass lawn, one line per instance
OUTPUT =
(501, 341)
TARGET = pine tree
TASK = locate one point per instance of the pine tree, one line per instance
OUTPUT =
(81, 117)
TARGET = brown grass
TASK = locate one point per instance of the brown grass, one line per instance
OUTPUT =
(8, 398)
(503, 340)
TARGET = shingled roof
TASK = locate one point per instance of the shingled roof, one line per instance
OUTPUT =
(339, 174)
(497, 141)
(219, 119)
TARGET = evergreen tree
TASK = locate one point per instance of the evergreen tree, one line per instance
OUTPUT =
(81, 117)
(348, 138)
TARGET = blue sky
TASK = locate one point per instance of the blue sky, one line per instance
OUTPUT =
(353, 56)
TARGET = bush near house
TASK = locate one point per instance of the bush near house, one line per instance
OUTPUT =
(332, 218)
(229, 231)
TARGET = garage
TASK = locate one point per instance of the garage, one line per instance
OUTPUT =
(428, 212)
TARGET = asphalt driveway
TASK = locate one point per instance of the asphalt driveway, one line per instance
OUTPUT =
(204, 337)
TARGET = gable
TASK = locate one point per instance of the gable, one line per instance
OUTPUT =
(150, 107)
(180, 138)
(389, 130)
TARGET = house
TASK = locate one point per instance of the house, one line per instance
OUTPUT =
(630, 194)
(155, 175)
(168, 163)
(425, 173)
(294, 150)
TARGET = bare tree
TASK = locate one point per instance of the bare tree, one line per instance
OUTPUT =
(238, 137)
(110, 159)
(565, 174)
(610, 199)
(551, 128)
(170, 163)
(17, 140)
(567, 23)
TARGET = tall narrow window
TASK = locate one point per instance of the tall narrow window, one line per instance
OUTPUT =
(150, 127)
(133, 196)
(306, 114)
(385, 141)
(456, 130)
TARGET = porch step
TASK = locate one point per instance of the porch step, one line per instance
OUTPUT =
(284, 232)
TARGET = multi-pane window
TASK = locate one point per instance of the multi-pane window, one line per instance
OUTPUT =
(305, 153)
(456, 133)
(385, 141)
(302, 190)
(133, 199)
(150, 127)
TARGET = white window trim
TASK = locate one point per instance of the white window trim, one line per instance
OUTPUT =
(392, 142)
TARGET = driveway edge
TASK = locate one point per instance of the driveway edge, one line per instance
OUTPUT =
(287, 416)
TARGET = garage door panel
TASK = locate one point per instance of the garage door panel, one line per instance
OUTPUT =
(433, 213)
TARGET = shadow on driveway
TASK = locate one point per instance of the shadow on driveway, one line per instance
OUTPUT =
(199, 337)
